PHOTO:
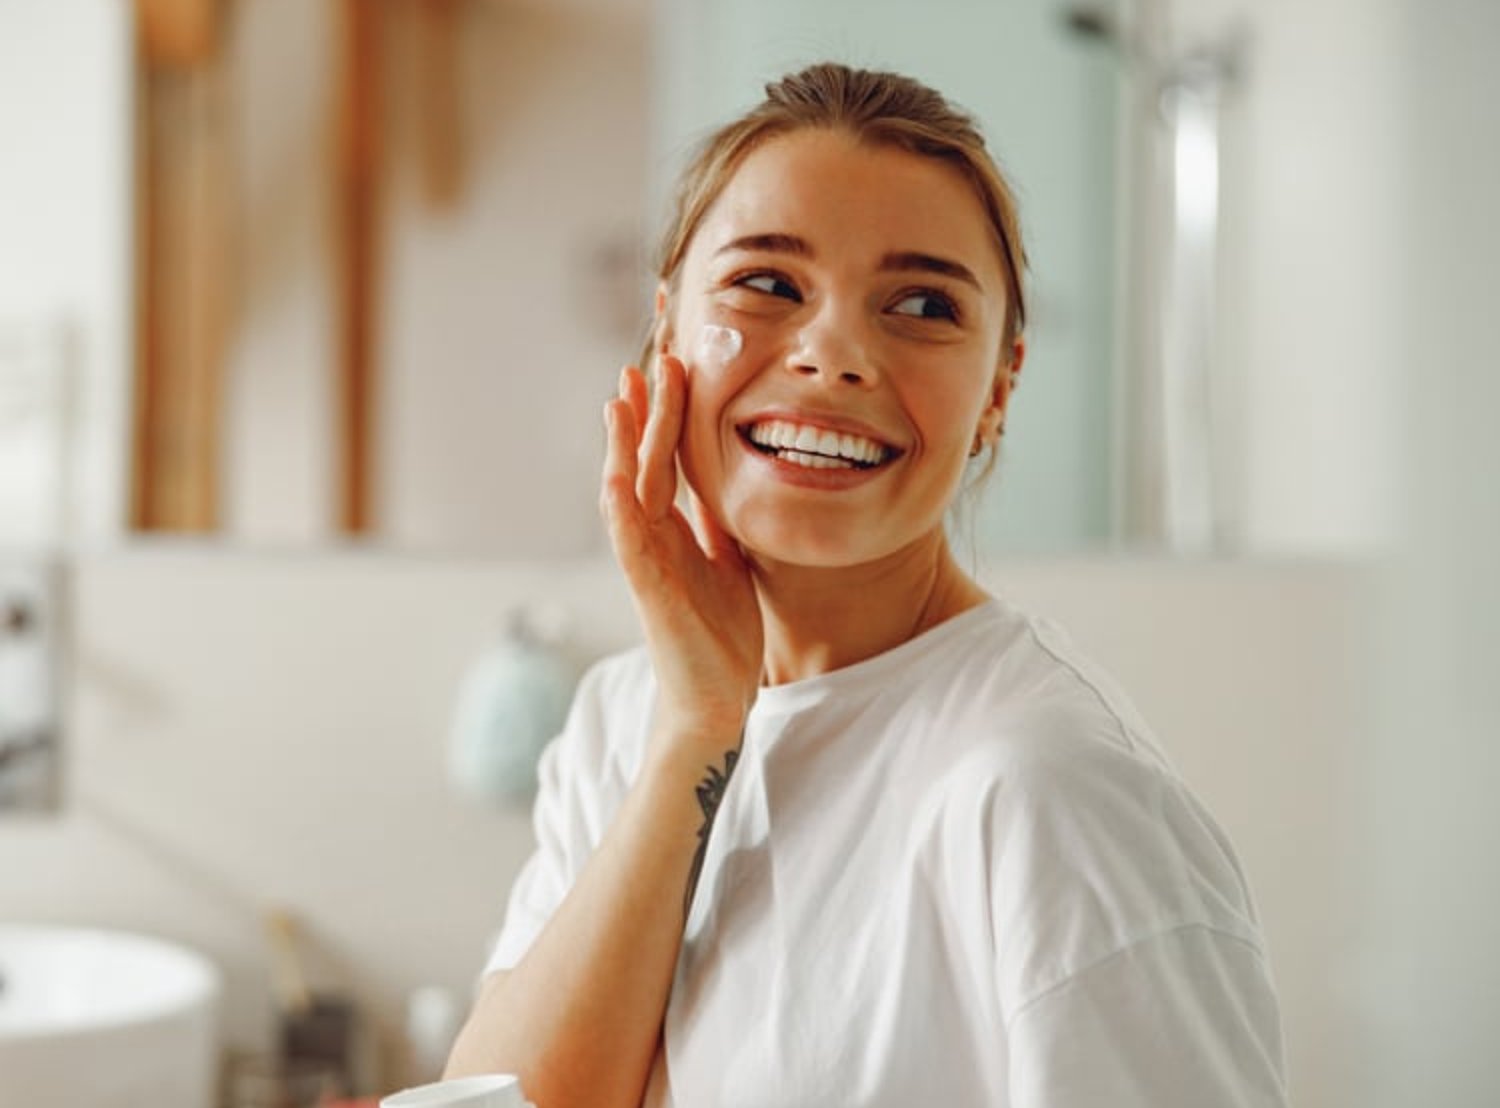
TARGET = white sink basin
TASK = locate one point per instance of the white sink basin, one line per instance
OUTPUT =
(106, 1019)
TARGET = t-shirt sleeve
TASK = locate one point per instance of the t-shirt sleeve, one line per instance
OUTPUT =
(1131, 968)
(1181, 1019)
(573, 803)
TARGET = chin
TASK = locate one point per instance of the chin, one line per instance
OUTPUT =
(808, 546)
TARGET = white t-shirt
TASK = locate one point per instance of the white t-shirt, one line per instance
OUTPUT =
(958, 873)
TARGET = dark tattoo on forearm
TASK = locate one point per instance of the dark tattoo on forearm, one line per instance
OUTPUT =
(710, 795)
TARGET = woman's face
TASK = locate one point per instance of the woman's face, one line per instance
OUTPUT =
(870, 297)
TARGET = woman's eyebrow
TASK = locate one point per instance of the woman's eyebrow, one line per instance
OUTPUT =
(897, 260)
(774, 243)
(928, 263)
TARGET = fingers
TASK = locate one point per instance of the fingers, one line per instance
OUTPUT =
(623, 420)
(633, 390)
(656, 483)
(640, 473)
(617, 496)
(717, 543)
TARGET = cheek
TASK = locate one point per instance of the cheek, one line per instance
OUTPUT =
(948, 411)
(723, 357)
(727, 357)
(702, 446)
(716, 361)
(718, 346)
(731, 344)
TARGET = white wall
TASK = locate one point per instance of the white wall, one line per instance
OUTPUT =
(1310, 271)
(1429, 979)
(65, 220)
(506, 335)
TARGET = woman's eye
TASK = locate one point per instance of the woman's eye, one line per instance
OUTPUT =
(771, 284)
(926, 305)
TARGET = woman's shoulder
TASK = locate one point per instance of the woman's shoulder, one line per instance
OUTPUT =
(1053, 731)
(1021, 693)
(1083, 815)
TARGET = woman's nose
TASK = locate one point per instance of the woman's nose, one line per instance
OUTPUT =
(832, 346)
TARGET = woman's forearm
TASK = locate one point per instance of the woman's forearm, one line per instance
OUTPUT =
(579, 1018)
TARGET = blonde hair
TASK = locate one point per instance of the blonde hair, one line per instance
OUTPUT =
(877, 108)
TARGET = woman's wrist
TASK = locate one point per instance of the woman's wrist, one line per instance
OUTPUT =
(688, 771)
(690, 740)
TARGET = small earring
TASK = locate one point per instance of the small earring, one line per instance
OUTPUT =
(977, 448)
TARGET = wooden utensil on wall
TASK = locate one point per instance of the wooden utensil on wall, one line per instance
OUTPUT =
(178, 34)
(440, 95)
(184, 188)
(357, 267)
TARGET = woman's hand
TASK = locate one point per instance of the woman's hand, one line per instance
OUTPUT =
(692, 586)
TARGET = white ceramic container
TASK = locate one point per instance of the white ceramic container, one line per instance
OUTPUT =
(106, 1019)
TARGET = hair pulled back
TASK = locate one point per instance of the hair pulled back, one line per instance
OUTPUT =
(874, 107)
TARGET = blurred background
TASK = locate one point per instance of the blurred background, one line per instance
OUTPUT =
(308, 309)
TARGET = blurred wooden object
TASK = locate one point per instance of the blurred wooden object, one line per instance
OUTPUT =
(184, 189)
(357, 267)
(442, 133)
(177, 33)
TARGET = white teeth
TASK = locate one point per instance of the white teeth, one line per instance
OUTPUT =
(861, 450)
(810, 446)
(814, 461)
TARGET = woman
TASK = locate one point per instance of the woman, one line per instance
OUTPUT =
(848, 830)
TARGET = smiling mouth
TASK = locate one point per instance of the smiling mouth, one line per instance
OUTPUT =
(815, 448)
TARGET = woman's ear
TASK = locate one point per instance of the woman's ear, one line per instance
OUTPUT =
(992, 419)
(1017, 356)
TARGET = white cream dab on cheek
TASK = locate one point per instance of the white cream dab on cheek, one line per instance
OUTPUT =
(718, 346)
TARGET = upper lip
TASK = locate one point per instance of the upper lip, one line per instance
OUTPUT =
(823, 421)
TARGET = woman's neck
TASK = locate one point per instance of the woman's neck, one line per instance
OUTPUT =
(822, 619)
